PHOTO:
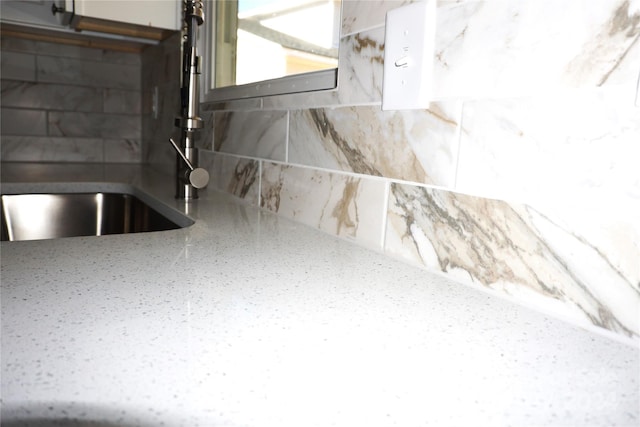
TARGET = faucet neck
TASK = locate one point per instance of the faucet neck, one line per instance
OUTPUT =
(189, 121)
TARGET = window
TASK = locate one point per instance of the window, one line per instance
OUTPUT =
(253, 47)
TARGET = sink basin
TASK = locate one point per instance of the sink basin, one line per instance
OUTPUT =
(54, 215)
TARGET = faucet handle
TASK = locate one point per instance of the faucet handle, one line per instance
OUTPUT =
(198, 177)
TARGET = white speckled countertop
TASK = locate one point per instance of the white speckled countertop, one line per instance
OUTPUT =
(247, 319)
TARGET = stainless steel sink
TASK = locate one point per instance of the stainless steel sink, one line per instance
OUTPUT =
(50, 216)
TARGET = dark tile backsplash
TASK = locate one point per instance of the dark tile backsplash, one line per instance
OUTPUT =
(63, 103)
(160, 81)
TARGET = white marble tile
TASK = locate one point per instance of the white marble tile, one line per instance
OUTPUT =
(343, 205)
(73, 124)
(161, 155)
(538, 150)
(17, 66)
(51, 69)
(51, 96)
(18, 121)
(50, 149)
(516, 251)
(252, 133)
(637, 103)
(627, 70)
(161, 64)
(234, 175)
(71, 51)
(122, 101)
(155, 137)
(204, 137)
(360, 67)
(16, 44)
(506, 48)
(122, 151)
(360, 15)
(360, 63)
(574, 158)
(417, 145)
(160, 68)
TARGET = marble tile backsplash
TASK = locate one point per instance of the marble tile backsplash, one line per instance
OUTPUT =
(63, 103)
(265, 138)
(502, 48)
(519, 179)
(161, 86)
(517, 250)
(343, 205)
(234, 175)
(419, 146)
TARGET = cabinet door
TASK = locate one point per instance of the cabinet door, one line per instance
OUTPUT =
(165, 14)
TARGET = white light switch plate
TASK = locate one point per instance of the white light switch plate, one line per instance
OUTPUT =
(408, 56)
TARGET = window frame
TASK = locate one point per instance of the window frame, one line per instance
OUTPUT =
(322, 80)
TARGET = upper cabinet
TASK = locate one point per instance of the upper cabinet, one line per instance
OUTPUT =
(136, 18)
(125, 25)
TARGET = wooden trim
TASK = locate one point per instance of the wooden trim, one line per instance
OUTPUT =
(120, 28)
(70, 38)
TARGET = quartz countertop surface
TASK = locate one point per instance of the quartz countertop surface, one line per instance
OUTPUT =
(249, 319)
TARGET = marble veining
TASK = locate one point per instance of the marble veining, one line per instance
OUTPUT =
(360, 69)
(204, 137)
(51, 149)
(73, 124)
(122, 150)
(358, 16)
(234, 175)
(52, 96)
(417, 145)
(51, 69)
(70, 104)
(252, 133)
(512, 249)
(339, 204)
(504, 48)
(579, 168)
(535, 103)
(361, 56)
(604, 51)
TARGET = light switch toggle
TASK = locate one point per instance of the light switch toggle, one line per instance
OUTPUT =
(402, 62)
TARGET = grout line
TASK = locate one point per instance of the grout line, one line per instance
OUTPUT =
(362, 30)
(637, 102)
(260, 183)
(459, 144)
(355, 175)
(385, 215)
(341, 172)
(286, 138)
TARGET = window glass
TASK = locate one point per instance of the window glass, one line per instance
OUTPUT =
(259, 40)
